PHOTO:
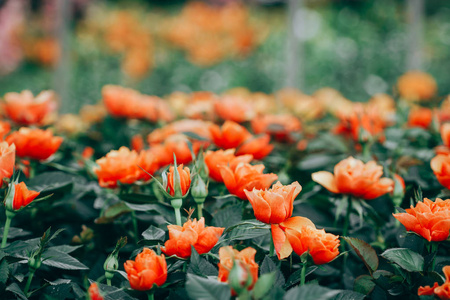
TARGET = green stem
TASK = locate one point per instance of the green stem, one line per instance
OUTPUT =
(108, 282)
(347, 217)
(150, 295)
(200, 210)
(27, 286)
(176, 204)
(33, 165)
(178, 216)
(135, 226)
(434, 248)
(272, 246)
(6, 230)
(303, 274)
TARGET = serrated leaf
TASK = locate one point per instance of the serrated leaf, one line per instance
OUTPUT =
(200, 266)
(154, 233)
(4, 271)
(15, 232)
(268, 266)
(113, 212)
(58, 281)
(51, 182)
(229, 216)
(310, 292)
(200, 288)
(364, 251)
(263, 285)
(65, 248)
(349, 295)
(295, 277)
(405, 258)
(15, 289)
(364, 284)
(61, 260)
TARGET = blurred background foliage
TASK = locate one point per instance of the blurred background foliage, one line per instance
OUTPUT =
(158, 47)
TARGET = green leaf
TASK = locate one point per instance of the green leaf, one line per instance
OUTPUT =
(154, 233)
(4, 271)
(310, 292)
(112, 293)
(200, 266)
(364, 284)
(61, 260)
(367, 254)
(200, 288)
(296, 276)
(58, 281)
(406, 259)
(15, 232)
(136, 198)
(268, 266)
(113, 212)
(229, 216)
(349, 295)
(66, 248)
(263, 285)
(15, 289)
(51, 182)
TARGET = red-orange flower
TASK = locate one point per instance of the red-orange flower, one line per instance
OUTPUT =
(94, 293)
(5, 128)
(147, 269)
(300, 235)
(429, 219)
(259, 147)
(420, 117)
(445, 135)
(215, 159)
(440, 291)
(184, 182)
(22, 196)
(246, 177)
(118, 166)
(26, 109)
(275, 205)
(192, 233)
(416, 86)
(352, 176)
(234, 109)
(178, 144)
(150, 161)
(230, 135)
(137, 143)
(34, 143)
(279, 126)
(7, 160)
(440, 165)
(246, 258)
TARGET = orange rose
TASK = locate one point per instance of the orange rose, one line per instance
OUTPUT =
(149, 160)
(185, 180)
(230, 135)
(275, 205)
(279, 126)
(7, 160)
(259, 147)
(234, 109)
(300, 235)
(352, 176)
(246, 177)
(192, 233)
(94, 293)
(445, 135)
(25, 109)
(199, 127)
(215, 159)
(178, 144)
(137, 143)
(147, 269)
(416, 86)
(118, 166)
(22, 196)
(440, 165)
(429, 219)
(440, 291)
(34, 143)
(246, 258)
(420, 117)
(5, 128)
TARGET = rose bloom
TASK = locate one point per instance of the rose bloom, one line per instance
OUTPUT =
(279, 126)
(178, 144)
(118, 166)
(302, 105)
(92, 114)
(416, 86)
(192, 233)
(353, 177)
(147, 269)
(22, 196)
(246, 258)
(34, 143)
(185, 180)
(233, 108)
(332, 100)
(420, 117)
(5, 128)
(440, 165)
(445, 136)
(137, 143)
(94, 293)
(7, 160)
(299, 234)
(275, 205)
(246, 177)
(359, 122)
(198, 127)
(440, 291)
(259, 147)
(230, 135)
(70, 124)
(429, 219)
(215, 159)
(149, 161)
(26, 109)
(384, 104)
